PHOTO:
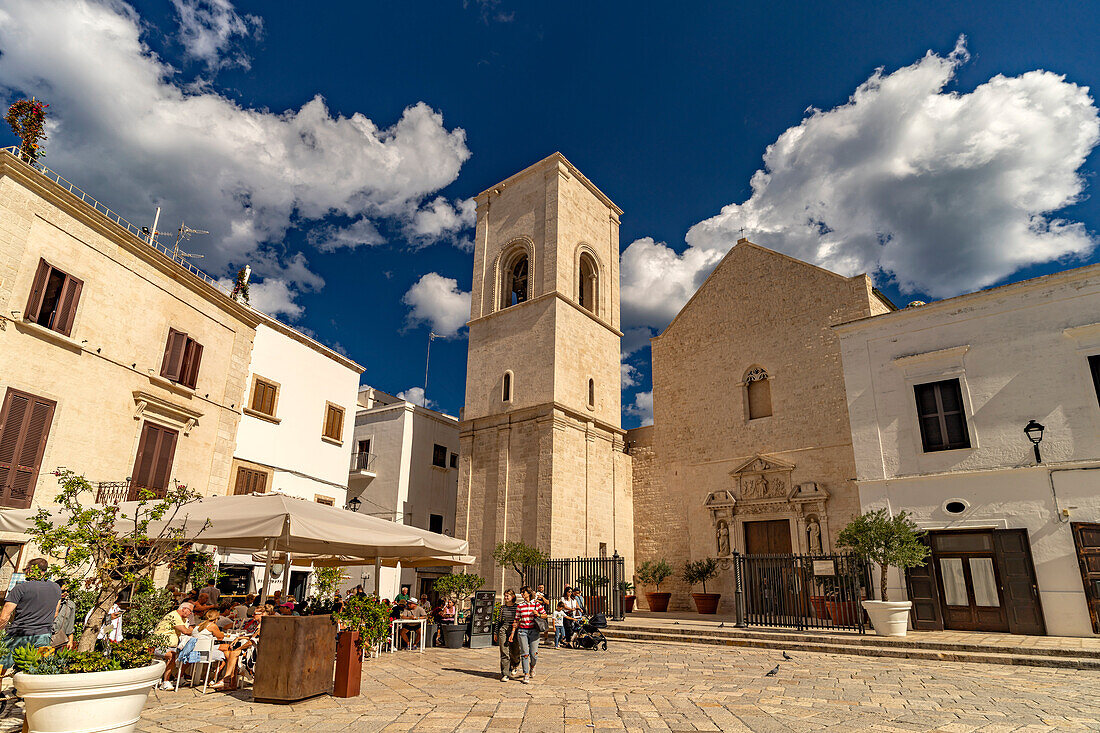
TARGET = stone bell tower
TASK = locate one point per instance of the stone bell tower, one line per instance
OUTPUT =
(541, 440)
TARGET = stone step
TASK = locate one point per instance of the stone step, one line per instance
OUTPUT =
(804, 644)
(869, 639)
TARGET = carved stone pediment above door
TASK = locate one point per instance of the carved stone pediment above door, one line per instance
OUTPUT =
(762, 478)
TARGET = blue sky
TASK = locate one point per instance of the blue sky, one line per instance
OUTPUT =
(335, 150)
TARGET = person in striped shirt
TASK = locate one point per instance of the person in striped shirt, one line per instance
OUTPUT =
(527, 631)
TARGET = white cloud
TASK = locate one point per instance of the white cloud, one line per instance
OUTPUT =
(642, 407)
(415, 395)
(208, 27)
(131, 132)
(439, 220)
(273, 296)
(630, 376)
(361, 232)
(437, 301)
(943, 192)
(635, 339)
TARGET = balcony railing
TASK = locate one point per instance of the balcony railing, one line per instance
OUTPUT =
(363, 462)
(112, 492)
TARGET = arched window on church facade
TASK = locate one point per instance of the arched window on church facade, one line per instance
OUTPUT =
(506, 393)
(758, 393)
(514, 280)
(588, 281)
(591, 394)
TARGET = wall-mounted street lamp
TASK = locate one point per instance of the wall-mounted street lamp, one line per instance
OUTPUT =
(354, 504)
(1034, 432)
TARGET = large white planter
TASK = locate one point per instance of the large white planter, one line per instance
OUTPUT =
(92, 702)
(890, 618)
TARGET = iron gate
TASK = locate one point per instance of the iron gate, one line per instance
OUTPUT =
(801, 591)
(602, 594)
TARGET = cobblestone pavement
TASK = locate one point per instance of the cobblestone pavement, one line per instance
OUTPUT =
(662, 687)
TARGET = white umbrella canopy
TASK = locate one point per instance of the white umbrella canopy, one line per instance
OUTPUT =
(336, 561)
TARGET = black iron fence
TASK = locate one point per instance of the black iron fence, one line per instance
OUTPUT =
(597, 578)
(802, 591)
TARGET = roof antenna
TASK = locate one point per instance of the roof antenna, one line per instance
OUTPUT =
(182, 235)
(151, 234)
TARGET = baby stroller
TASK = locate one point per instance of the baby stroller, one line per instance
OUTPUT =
(589, 636)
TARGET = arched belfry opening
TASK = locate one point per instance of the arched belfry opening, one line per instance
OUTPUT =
(588, 282)
(515, 279)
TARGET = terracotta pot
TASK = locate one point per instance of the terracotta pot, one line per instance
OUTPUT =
(595, 604)
(658, 602)
(706, 602)
(818, 603)
(843, 613)
(628, 602)
(349, 665)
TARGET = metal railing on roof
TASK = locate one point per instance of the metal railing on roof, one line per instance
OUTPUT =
(146, 239)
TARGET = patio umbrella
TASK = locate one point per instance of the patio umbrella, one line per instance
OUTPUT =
(336, 561)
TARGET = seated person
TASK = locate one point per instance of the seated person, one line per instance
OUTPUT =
(202, 605)
(396, 610)
(171, 628)
(241, 610)
(411, 634)
(222, 652)
(226, 621)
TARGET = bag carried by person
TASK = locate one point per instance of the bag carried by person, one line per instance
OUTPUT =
(542, 623)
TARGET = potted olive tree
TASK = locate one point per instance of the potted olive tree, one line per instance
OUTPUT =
(698, 573)
(627, 589)
(460, 587)
(889, 541)
(104, 551)
(593, 601)
(654, 572)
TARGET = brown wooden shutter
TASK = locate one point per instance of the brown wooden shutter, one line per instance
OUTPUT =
(153, 465)
(66, 309)
(268, 405)
(162, 467)
(189, 372)
(38, 289)
(259, 482)
(920, 586)
(173, 355)
(24, 428)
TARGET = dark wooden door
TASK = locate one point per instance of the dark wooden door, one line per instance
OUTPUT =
(969, 581)
(1019, 587)
(1086, 536)
(772, 537)
(920, 586)
(153, 465)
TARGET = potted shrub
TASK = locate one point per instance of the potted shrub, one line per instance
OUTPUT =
(841, 605)
(654, 572)
(364, 624)
(459, 586)
(627, 589)
(889, 541)
(593, 603)
(817, 600)
(698, 573)
(103, 551)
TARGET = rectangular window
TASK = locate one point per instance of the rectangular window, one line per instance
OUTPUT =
(940, 411)
(264, 396)
(182, 356)
(153, 466)
(1094, 365)
(53, 299)
(439, 456)
(435, 523)
(24, 427)
(250, 481)
(454, 460)
(363, 446)
(334, 422)
(326, 500)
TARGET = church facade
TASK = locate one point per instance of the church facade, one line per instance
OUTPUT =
(750, 450)
(541, 441)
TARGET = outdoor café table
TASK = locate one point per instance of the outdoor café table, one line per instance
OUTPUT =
(398, 622)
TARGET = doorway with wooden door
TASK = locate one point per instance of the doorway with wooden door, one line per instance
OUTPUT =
(768, 537)
(1086, 538)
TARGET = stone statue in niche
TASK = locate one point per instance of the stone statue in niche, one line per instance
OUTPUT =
(813, 531)
(723, 538)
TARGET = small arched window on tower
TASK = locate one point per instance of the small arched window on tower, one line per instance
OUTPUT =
(758, 393)
(588, 283)
(514, 278)
(506, 393)
(591, 394)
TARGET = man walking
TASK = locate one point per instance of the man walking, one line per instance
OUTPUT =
(34, 605)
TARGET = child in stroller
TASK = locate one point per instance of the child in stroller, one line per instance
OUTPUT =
(589, 635)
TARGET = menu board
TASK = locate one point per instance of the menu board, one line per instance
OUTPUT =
(481, 625)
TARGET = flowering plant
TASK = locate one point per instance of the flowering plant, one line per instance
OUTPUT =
(27, 118)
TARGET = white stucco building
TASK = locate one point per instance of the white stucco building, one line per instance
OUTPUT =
(295, 434)
(939, 396)
(405, 468)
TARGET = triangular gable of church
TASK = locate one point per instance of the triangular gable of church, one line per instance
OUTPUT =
(762, 464)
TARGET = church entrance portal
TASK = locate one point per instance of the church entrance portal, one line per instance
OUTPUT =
(772, 537)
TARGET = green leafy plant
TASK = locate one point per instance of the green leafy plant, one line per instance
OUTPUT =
(147, 607)
(592, 583)
(654, 572)
(459, 586)
(131, 654)
(79, 662)
(519, 556)
(366, 615)
(700, 571)
(889, 541)
(327, 580)
(105, 551)
(625, 586)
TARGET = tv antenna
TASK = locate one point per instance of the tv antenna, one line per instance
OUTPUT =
(150, 235)
(182, 235)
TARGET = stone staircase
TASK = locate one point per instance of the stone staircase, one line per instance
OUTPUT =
(917, 645)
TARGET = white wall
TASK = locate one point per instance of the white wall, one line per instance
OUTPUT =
(1020, 353)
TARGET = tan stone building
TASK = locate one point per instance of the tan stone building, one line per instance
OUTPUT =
(115, 361)
(541, 442)
(750, 449)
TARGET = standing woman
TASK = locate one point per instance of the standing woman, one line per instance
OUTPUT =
(509, 650)
(572, 614)
(527, 631)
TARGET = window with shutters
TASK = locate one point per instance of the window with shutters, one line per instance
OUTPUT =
(182, 356)
(758, 393)
(334, 423)
(439, 455)
(53, 299)
(250, 481)
(454, 460)
(941, 416)
(435, 523)
(326, 500)
(153, 465)
(24, 427)
(265, 396)
(1094, 365)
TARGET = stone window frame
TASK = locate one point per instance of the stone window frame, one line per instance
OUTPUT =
(508, 387)
(745, 381)
(936, 366)
(504, 263)
(586, 250)
(591, 397)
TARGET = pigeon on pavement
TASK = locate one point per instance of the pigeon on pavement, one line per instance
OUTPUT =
(774, 672)
(787, 656)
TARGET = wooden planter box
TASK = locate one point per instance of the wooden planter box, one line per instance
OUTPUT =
(294, 660)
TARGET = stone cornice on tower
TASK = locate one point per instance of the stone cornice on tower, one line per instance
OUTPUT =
(565, 169)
